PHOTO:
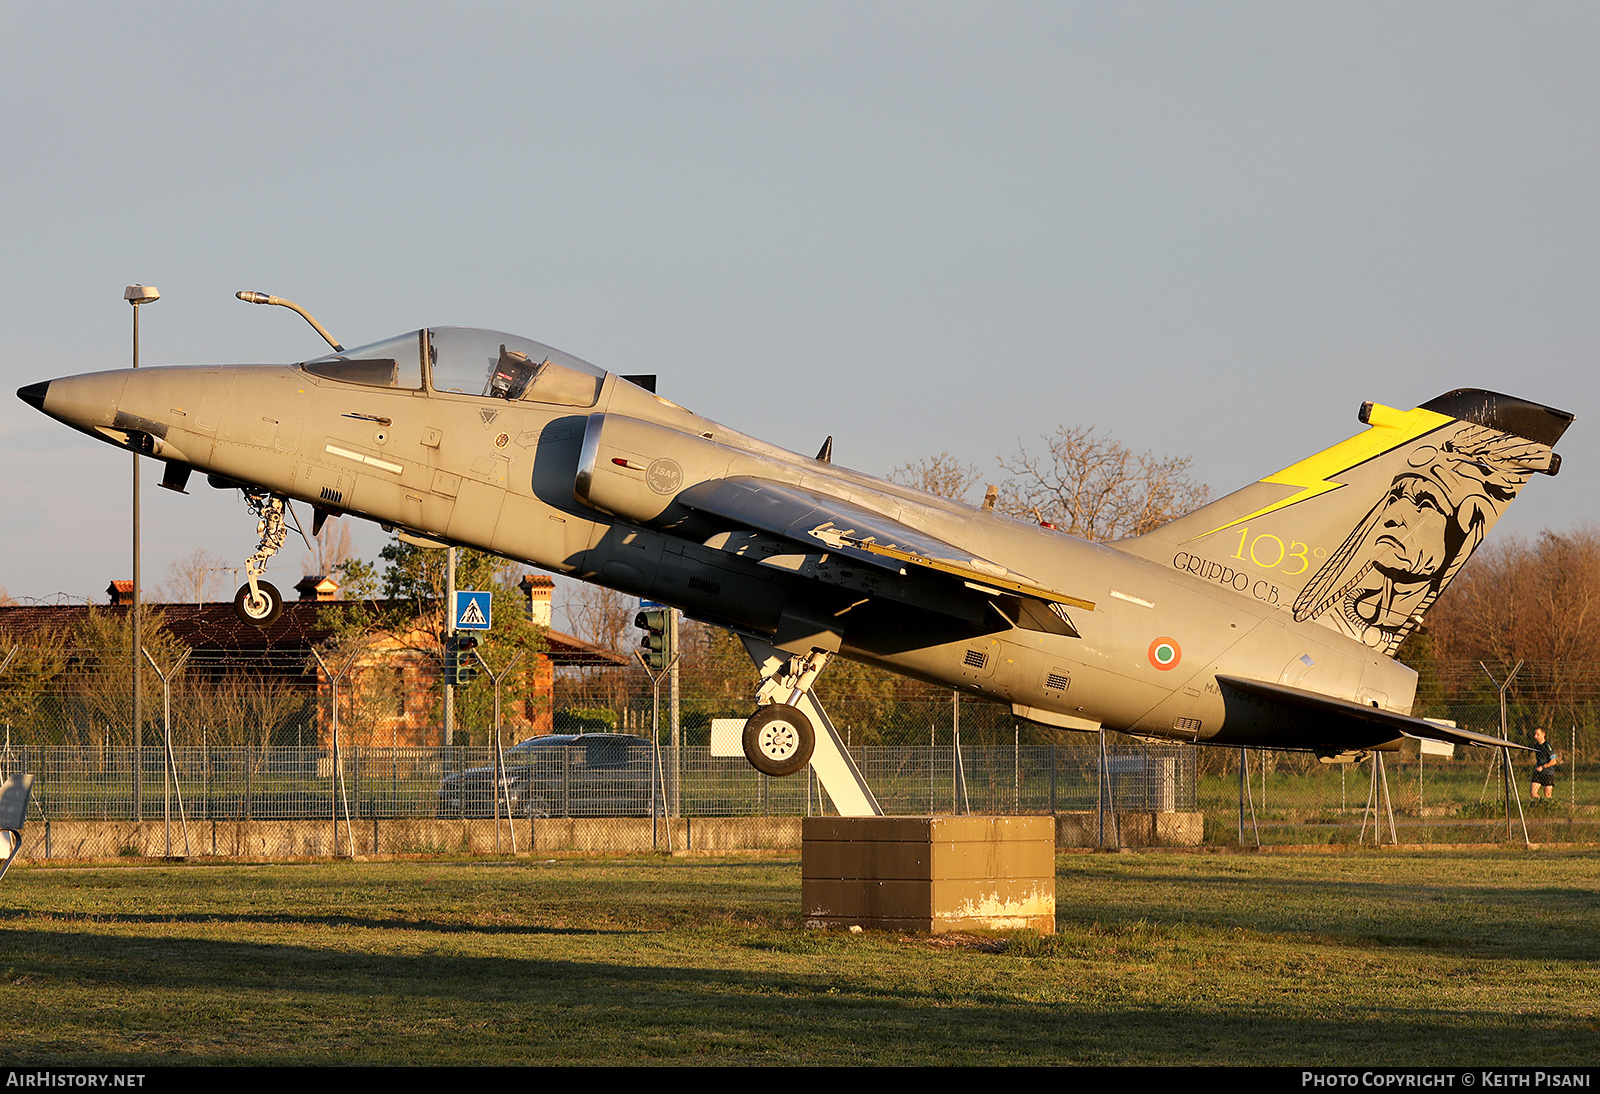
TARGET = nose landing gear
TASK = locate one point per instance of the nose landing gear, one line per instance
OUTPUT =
(259, 602)
(261, 606)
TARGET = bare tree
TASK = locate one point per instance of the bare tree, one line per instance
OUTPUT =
(239, 708)
(1567, 594)
(1515, 600)
(942, 475)
(1092, 485)
(30, 689)
(196, 577)
(101, 644)
(602, 616)
(331, 546)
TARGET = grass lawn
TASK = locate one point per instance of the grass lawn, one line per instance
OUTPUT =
(1365, 957)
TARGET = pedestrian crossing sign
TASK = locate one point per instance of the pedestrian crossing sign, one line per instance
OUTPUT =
(472, 611)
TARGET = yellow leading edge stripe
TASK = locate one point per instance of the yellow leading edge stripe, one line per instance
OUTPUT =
(1387, 429)
(1037, 592)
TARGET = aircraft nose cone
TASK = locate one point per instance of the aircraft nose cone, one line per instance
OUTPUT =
(34, 394)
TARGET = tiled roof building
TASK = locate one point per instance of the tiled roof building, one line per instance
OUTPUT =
(224, 644)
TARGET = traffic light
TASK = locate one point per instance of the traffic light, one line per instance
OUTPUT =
(458, 660)
(657, 644)
(452, 659)
(466, 664)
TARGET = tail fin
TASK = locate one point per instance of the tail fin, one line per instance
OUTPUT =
(1363, 537)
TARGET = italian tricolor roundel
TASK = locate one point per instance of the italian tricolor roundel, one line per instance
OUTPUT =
(1165, 654)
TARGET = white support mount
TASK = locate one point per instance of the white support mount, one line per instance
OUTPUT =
(788, 680)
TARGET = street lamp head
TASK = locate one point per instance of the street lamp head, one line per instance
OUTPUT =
(141, 294)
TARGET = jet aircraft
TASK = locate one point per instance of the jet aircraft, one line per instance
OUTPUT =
(1269, 618)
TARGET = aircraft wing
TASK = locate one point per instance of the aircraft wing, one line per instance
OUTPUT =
(1363, 726)
(819, 522)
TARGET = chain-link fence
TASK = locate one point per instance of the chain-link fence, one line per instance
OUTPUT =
(1412, 799)
(446, 799)
(597, 775)
(253, 740)
(1283, 798)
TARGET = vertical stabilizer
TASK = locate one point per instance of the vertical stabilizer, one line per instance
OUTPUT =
(1363, 537)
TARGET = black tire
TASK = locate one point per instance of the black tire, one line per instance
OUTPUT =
(778, 740)
(261, 611)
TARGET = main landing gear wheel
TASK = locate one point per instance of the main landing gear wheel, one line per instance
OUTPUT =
(258, 611)
(778, 740)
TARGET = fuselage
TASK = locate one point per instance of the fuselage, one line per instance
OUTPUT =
(532, 471)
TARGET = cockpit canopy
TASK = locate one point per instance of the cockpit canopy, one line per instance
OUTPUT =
(395, 362)
(502, 366)
(468, 361)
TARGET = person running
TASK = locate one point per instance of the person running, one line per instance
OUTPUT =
(1544, 763)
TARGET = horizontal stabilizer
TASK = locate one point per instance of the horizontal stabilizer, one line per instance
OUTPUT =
(1351, 725)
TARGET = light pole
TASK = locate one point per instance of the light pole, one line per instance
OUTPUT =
(136, 295)
(449, 636)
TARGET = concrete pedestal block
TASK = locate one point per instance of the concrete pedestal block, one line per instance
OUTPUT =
(929, 874)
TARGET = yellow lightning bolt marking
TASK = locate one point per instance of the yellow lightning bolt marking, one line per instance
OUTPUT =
(1387, 429)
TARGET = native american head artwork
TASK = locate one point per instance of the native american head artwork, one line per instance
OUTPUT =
(1394, 564)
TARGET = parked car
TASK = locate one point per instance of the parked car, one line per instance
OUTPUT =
(560, 775)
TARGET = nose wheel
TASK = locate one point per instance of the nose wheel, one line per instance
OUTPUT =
(778, 740)
(260, 608)
(258, 602)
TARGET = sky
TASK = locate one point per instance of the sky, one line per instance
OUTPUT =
(1212, 230)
